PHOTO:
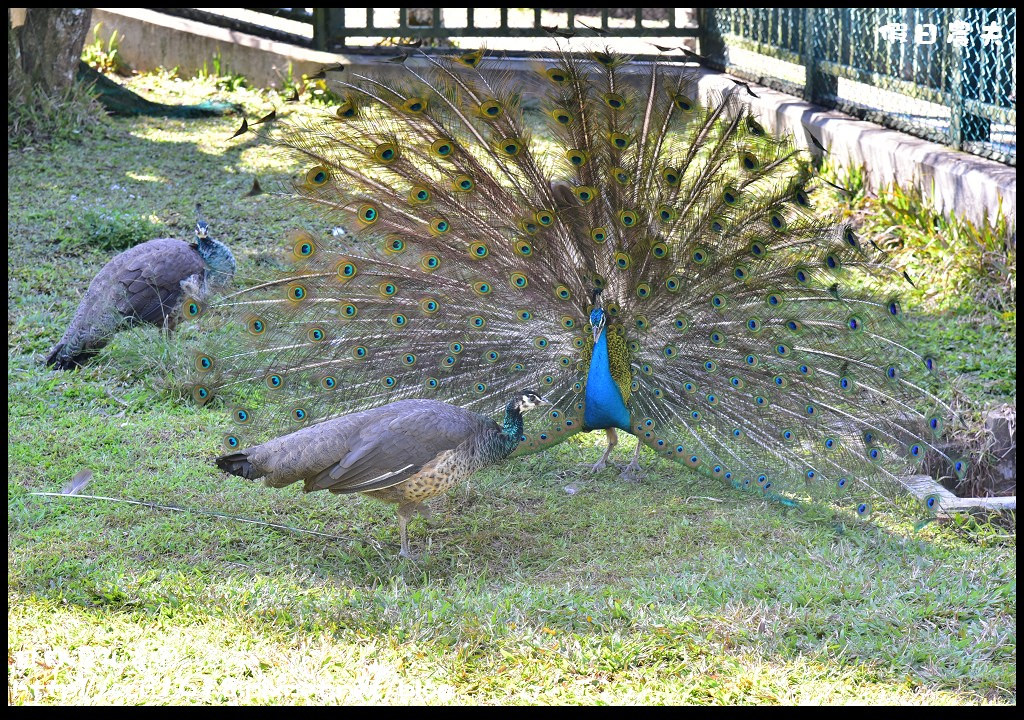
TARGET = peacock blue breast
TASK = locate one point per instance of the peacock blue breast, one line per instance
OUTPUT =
(604, 407)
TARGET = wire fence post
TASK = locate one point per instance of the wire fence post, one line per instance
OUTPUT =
(712, 46)
(819, 86)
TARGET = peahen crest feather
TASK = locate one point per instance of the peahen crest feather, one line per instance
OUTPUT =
(749, 336)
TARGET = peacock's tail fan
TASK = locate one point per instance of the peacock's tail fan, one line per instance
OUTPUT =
(763, 345)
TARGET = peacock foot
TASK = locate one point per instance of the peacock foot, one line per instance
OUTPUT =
(599, 466)
(631, 473)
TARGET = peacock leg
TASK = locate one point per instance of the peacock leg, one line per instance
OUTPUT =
(406, 511)
(631, 473)
(613, 440)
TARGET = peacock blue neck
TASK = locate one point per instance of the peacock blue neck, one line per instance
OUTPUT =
(604, 407)
(218, 258)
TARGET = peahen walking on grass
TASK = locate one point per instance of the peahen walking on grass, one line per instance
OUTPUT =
(148, 283)
(406, 452)
(653, 261)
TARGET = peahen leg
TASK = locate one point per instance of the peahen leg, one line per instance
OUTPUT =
(613, 440)
(631, 473)
(406, 511)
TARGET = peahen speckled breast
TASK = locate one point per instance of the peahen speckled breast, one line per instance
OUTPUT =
(652, 262)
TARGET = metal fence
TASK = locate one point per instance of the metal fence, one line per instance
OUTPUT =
(948, 75)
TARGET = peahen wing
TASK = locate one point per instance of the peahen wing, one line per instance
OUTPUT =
(761, 344)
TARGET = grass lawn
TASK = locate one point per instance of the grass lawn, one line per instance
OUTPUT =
(537, 583)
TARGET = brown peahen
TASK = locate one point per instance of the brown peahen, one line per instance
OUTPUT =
(147, 283)
(405, 452)
(658, 266)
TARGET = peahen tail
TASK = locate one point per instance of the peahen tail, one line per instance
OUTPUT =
(750, 337)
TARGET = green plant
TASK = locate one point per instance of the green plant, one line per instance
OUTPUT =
(35, 114)
(106, 59)
(110, 229)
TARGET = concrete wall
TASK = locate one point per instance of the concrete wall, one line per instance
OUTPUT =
(953, 181)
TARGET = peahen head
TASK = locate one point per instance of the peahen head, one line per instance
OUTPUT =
(512, 427)
(528, 400)
(215, 254)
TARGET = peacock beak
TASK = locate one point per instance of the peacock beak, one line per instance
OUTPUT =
(545, 401)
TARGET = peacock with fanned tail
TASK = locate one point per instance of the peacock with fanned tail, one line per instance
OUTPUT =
(656, 266)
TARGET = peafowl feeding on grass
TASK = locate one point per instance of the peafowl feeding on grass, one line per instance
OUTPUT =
(144, 284)
(405, 452)
(659, 268)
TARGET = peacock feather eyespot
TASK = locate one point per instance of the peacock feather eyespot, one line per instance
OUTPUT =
(614, 101)
(730, 196)
(557, 75)
(932, 503)
(367, 214)
(456, 348)
(204, 363)
(201, 394)
(328, 382)
(296, 293)
(832, 262)
(892, 373)
(801, 198)
(439, 226)
(562, 292)
(846, 384)
(641, 322)
(517, 367)
(491, 356)
(749, 162)
(387, 289)
(510, 147)
(775, 299)
(477, 321)
(754, 325)
(646, 369)
(470, 59)
(231, 442)
(431, 383)
(761, 401)
(788, 435)
(737, 382)
(801, 275)
(914, 451)
(477, 250)
(463, 183)
(659, 250)
(894, 308)
(700, 255)
(850, 237)
(854, 323)
(736, 432)
(578, 342)
(667, 214)
(192, 308)
(449, 361)
(673, 283)
(741, 273)
(758, 249)
(399, 320)
(274, 381)
(935, 424)
(386, 152)
(349, 310)
(783, 350)
(395, 246)
(754, 127)
(442, 147)
(585, 194)
(241, 416)
(960, 467)
(540, 342)
(548, 380)
(717, 226)
(670, 351)
(524, 315)
(780, 381)
(719, 302)
(710, 366)
(777, 220)
(752, 360)
(683, 103)
(430, 262)
(805, 370)
(643, 290)
(491, 109)
(577, 157)
(690, 388)
(568, 322)
(518, 280)
(599, 282)
(346, 110)
(863, 510)
(256, 325)
(693, 461)
(680, 323)
(670, 176)
(316, 334)
(318, 176)
(415, 105)
(389, 381)
(545, 217)
(622, 260)
(874, 454)
(529, 227)
(598, 235)
(930, 364)
(418, 195)
(359, 352)
(619, 141)
(716, 338)
(620, 175)
(304, 247)
(561, 115)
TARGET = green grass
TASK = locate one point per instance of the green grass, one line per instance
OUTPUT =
(672, 590)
